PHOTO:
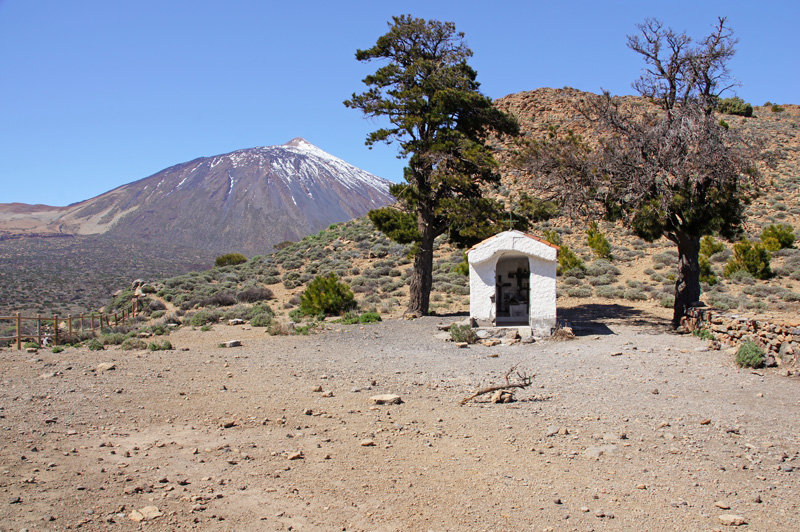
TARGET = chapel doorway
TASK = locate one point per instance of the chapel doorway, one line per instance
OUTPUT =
(512, 291)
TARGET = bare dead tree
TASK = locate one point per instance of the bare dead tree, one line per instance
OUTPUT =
(669, 170)
(523, 380)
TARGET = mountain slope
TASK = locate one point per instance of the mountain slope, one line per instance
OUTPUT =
(247, 201)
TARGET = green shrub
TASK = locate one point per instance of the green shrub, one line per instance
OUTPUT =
(710, 246)
(735, 106)
(30, 345)
(202, 317)
(367, 317)
(255, 294)
(162, 346)
(749, 355)
(707, 274)
(580, 291)
(133, 343)
(463, 333)
(750, 257)
(777, 236)
(113, 339)
(94, 345)
(598, 242)
(230, 259)
(326, 295)
(777, 108)
(724, 124)
(159, 329)
(58, 349)
(568, 261)
(609, 292)
(703, 334)
(261, 320)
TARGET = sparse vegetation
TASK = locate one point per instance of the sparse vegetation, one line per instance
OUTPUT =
(230, 259)
(164, 345)
(598, 242)
(326, 295)
(776, 237)
(735, 106)
(749, 355)
(751, 257)
(463, 333)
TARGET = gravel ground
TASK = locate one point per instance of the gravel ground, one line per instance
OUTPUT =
(627, 427)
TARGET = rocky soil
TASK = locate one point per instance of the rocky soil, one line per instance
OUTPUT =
(626, 427)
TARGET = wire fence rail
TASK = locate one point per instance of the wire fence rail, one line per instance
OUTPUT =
(58, 328)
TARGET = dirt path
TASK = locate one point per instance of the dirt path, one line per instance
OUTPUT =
(626, 428)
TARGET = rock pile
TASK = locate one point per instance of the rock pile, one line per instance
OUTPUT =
(779, 341)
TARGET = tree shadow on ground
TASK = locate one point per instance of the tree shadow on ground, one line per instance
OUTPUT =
(596, 318)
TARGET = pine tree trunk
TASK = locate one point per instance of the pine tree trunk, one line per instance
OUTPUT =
(687, 285)
(419, 289)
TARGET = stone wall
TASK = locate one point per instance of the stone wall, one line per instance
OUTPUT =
(781, 342)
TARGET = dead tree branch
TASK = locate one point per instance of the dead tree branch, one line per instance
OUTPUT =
(523, 380)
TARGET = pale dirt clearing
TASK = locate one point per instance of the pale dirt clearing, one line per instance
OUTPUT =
(628, 427)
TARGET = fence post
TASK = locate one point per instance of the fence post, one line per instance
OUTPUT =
(55, 326)
(69, 324)
(19, 332)
(39, 330)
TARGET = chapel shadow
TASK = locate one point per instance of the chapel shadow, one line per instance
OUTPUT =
(599, 318)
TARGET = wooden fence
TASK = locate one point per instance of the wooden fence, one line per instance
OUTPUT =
(50, 327)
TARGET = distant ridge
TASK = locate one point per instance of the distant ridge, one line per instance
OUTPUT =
(247, 201)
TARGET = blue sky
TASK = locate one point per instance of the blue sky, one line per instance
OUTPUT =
(99, 93)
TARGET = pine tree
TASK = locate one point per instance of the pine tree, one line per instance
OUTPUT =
(440, 120)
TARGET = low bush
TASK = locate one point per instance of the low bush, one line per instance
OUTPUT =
(463, 333)
(609, 292)
(735, 106)
(750, 257)
(202, 317)
(160, 346)
(749, 355)
(580, 291)
(707, 274)
(133, 343)
(776, 237)
(367, 317)
(220, 299)
(710, 246)
(113, 339)
(30, 345)
(326, 295)
(261, 320)
(277, 328)
(254, 294)
(94, 345)
(598, 242)
(703, 334)
(230, 259)
(600, 267)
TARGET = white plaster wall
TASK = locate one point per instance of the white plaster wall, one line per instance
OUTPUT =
(481, 290)
(543, 296)
(543, 261)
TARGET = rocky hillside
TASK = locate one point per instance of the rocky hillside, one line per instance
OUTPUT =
(244, 201)
(640, 275)
(638, 280)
